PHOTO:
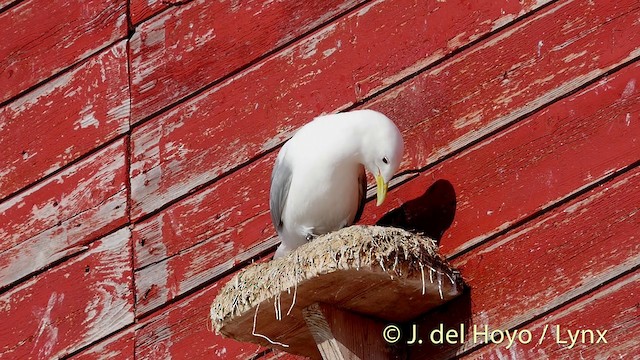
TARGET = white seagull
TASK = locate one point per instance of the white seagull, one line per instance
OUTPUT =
(318, 184)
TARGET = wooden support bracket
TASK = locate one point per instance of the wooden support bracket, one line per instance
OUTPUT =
(342, 335)
(332, 297)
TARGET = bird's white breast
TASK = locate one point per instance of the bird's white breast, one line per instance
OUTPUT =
(323, 197)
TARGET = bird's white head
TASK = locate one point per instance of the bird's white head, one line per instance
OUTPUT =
(382, 149)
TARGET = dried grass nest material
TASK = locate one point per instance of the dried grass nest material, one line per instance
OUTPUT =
(395, 252)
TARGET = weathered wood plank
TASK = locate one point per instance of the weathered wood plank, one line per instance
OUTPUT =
(72, 305)
(59, 216)
(144, 9)
(70, 29)
(566, 147)
(173, 276)
(511, 74)
(614, 308)
(171, 54)
(547, 262)
(118, 346)
(255, 111)
(68, 116)
(183, 331)
(203, 235)
(204, 215)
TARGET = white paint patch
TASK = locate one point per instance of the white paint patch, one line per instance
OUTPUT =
(574, 56)
(540, 44)
(47, 332)
(310, 47)
(629, 89)
(201, 40)
(156, 35)
(48, 212)
(221, 352)
(70, 93)
(468, 120)
(328, 52)
(366, 9)
(456, 41)
(502, 21)
(120, 111)
(88, 118)
(627, 119)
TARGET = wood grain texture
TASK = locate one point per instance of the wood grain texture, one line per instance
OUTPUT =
(545, 263)
(206, 214)
(118, 346)
(257, 109)
(72, 305)
(68, 116)
(171, 54)
(58, 217)
(144, 9)
(70, 29)
(614, 308)
(344, 335)
(203, 235)
(183, 331)
(568, 146)
(163, 281)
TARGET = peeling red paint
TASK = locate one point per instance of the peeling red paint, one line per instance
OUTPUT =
(70, 29)
(69, 116)
(134, 170)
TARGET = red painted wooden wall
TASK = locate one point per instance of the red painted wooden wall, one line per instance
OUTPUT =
(137, 139)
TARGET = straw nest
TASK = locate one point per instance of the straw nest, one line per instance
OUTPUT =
(389, 252)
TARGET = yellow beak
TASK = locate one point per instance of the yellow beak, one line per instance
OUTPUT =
(382, 189)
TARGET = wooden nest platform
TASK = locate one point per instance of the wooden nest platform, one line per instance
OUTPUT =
(332, 295)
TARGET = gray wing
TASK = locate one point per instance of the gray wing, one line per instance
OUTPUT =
(280, 184)
(362, 193)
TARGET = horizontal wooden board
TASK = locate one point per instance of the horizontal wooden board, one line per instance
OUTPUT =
(68, 116)
(118, 346)
(546, 263)
(183, 331)
(58, 217)
(71, 29)
(72, 305)
(560, 150)
(173, 276)
(256, 110)
(206, 214)
(171, 54)
(614, 309)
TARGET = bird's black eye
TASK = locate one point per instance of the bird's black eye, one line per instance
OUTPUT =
(385, 160)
